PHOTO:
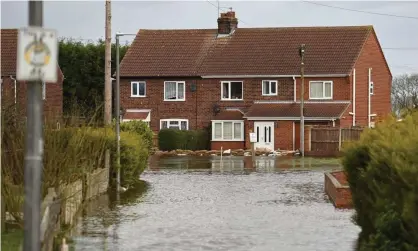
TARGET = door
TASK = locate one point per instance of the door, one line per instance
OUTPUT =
(265, 135)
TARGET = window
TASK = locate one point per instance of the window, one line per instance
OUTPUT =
(231, 90)
(371, 91)
(174, 91)
(43, 90)
(228, 131)
(179, 124)
(320, 89)
(269, 87)
(138, 89)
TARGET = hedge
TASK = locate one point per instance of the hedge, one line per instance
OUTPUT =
(382, 173)
(171, 139)
(141, 128)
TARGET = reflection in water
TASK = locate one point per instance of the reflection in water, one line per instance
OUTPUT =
(222, 206)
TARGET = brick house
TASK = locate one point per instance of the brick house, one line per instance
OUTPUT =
(236, 80)
(13, 91)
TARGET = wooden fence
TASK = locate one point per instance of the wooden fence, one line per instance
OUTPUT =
(331, 139)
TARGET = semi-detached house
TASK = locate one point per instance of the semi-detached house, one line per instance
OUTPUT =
(236, 80)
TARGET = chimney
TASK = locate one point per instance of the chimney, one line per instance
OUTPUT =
(227, 23)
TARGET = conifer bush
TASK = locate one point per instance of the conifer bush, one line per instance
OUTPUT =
(382, 171)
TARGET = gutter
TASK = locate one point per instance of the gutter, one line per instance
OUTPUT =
(294, 88)
(354, 97)
(292, 118)
(369, 97)
(277, 76)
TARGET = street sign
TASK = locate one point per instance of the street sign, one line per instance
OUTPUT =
(37, 55)
(253, 137)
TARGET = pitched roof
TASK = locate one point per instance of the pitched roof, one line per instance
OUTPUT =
(331, 110)
(136, 115)
(248, 51)
(9, 53)
(229, 115)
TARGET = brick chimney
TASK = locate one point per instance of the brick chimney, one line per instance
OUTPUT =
(227, 23)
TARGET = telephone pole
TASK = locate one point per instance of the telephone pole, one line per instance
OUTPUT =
(108, 66)
(302, 93)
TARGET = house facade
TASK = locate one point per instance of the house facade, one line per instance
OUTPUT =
(13, 92)
(240, 80)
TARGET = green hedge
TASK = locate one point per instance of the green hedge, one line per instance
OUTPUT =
(141, 128)
(171, 139)
(382, 172)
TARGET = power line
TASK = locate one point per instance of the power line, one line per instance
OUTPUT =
(361, 11)
(402, 48)
(224, 8)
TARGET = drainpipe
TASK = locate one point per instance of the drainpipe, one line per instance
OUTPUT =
(14, 80)
(369, 98)
(354, 97)
(294, 88)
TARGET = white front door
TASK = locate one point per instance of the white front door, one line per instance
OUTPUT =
(265, 135)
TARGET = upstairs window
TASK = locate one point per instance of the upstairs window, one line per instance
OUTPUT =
(174, 91)
(320, 90)
(179, 124)
(231, 90)
(138, 89)
(269, 87)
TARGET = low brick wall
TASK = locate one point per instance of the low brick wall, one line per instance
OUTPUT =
(339, 194)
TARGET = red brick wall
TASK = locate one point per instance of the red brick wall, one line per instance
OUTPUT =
(339, 195)
(216, 145)
(52, 103)
(340, 86)
(372, 57)
(198, 107)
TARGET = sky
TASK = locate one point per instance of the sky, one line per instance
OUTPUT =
(396, 23)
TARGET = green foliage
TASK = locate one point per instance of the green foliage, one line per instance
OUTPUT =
(83, 67)
(170, 139)
(134, 157)
(383, 176)
(141, 128)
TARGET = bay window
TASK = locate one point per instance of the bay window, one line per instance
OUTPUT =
(179, 124)
(228, 130)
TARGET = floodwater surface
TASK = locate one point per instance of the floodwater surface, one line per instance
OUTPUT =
(221, 206)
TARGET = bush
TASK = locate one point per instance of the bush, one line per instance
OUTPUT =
(383, 176)
(141, 128)
(170, 139)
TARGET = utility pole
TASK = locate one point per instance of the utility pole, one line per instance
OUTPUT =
(302, 93)
(34, 150)
(117, 108)
(108, 66)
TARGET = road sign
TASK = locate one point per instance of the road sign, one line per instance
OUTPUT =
(37, 55)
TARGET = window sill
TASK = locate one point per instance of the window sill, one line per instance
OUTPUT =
(227, 140)
(174, 100)
(132, 96)
(232, 99)
(269, 95)
(320, 98)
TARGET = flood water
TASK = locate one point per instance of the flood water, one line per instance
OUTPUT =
(199, 203)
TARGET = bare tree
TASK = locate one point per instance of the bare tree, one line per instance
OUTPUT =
(405, 93)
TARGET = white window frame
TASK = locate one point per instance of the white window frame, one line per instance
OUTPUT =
(138, 83)
(269, 82)
(371, 88)
(323, 89)
(170, 120)
(43, 90)
(222, 130)
(177, 90)
(229, 90)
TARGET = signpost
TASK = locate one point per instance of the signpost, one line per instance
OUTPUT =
(253, 140)
(37, 56)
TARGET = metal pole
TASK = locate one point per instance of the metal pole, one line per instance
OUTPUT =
(302, 93)
(117, 112)
(34, 150)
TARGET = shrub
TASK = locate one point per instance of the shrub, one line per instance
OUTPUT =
(141, 128)
(383, 176)
(170, 139)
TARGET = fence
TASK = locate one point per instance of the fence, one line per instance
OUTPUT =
(331, 139)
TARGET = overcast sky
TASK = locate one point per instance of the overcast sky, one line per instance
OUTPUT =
(85, 19)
